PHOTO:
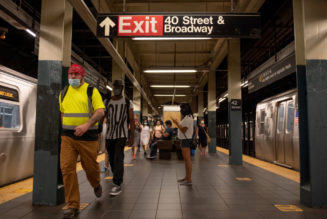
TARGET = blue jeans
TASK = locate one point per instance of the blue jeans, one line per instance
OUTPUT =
(153, 149)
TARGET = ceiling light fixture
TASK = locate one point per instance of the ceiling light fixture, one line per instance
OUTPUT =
(169, 95)
(171, 38)
(170, 86)
(31, 32)
(170, 71)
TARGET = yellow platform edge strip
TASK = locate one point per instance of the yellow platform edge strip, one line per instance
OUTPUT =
(281, 171)
(23, 187)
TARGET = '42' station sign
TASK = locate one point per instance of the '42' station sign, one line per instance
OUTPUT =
(179, 25)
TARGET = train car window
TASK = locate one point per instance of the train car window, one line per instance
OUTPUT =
(281, 116)
(9, 116)
(262, 122)
(290, 117)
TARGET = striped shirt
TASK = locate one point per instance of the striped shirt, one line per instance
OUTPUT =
(117, 115)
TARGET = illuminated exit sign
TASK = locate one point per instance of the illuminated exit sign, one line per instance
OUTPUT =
(179, 25)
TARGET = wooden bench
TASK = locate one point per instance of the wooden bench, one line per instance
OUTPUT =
(165, 147)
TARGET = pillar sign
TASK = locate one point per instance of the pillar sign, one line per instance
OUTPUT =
(179, 25)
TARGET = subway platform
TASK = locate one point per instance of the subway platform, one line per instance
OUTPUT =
(150, 190)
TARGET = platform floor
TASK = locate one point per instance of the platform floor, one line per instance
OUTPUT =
(150, 190)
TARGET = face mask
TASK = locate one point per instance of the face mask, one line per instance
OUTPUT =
(74, 82)
(117, 91)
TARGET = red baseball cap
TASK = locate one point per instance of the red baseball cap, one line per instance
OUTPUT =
(77, 69)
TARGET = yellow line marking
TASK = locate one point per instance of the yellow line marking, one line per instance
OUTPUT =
(282, 171)
(108, 177)
(23, 187)
(223, 165)
(82, 206)
(243, 179)
(288, 208)
(128, 165)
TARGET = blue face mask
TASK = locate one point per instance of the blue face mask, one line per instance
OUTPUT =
(74, 82)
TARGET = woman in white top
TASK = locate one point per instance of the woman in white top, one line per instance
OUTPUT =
(185, 134)
(158, 131)
(145, 135)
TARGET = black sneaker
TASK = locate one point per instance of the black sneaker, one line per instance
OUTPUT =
(98, 191)
(116, 190)
(70, 213)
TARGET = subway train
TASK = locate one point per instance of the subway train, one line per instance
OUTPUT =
(277, 130)
(271, 132)
(17, 125)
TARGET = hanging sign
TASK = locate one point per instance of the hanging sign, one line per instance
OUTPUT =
(273, 73)
(179, 25)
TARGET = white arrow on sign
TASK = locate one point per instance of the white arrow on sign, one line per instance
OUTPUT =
(107, 23)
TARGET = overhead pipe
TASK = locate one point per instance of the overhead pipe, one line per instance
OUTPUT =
(84, 12)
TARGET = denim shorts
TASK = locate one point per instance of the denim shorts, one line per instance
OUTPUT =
(186, 143)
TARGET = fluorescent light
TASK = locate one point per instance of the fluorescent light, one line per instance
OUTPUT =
(31, 32)
(222, 99)
(170, 71)
(170, 86)
(245, 84)
(226, 95)
(169, 95)
(171, 38)
(109, 88)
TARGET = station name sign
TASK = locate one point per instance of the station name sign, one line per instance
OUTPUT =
(245, 25)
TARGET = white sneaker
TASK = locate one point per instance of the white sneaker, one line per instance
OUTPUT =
(116, 190)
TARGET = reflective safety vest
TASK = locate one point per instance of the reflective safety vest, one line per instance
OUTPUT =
(77, 107)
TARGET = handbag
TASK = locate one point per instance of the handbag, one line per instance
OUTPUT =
(192, 143)
(208, 137)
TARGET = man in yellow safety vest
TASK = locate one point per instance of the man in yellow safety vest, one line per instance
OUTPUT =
(80, 115)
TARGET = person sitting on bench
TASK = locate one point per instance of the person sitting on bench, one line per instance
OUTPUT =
(167, 135)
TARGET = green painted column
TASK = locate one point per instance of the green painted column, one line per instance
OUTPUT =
(311, 59)
(212, 110)
(234, 99)
(47, 186)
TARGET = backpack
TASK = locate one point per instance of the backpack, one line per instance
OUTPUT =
(89, 96)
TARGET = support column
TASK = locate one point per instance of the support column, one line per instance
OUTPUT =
(67, 48)
(117, 73)
(311, 59)
(144, 108)
(212, 110)
(137, 96)
(46, 185)
(200, 102)
(234, 102)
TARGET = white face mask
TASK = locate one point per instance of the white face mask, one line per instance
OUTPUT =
(74, 82)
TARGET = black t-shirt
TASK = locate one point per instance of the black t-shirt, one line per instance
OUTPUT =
(170, 131)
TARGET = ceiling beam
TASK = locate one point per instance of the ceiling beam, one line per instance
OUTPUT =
(86, 15)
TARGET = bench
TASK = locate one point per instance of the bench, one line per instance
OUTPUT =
(165, 147)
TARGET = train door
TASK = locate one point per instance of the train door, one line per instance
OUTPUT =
(284, 150)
